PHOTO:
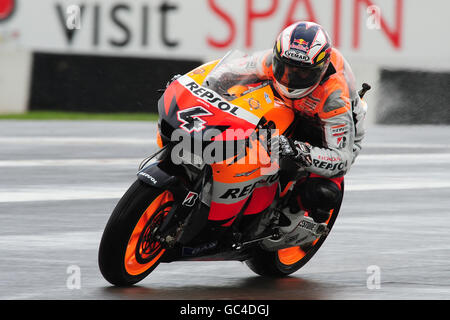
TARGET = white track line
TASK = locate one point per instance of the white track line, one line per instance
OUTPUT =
(389, 186)
(70, 162)
(61, 193)
(405, 145)
(76, 140)
(54, 241)
(364, 159)
(403, 158)
(149, 140)
(115, 191)
(89, 192)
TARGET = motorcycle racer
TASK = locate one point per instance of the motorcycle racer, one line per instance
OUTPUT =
(217, 189)
(314, 79)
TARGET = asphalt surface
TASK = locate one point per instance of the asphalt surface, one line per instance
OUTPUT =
(59, 182)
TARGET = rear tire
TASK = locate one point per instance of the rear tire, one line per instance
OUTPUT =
(127, 252)
(284, 262)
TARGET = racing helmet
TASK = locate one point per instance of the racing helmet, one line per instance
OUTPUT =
(301, 56)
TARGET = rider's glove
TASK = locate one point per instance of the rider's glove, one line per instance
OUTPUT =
(299, 151)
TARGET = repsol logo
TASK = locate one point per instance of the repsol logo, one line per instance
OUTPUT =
(337, 131)
(234, 193)
(146, 175)
(211, 97)
(329, 166)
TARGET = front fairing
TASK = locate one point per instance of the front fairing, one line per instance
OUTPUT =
(196, 104)
(241, 107)
(190, 110)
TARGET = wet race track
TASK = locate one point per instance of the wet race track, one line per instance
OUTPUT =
(59, 182)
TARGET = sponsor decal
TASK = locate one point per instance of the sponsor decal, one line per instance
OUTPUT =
(198, 71)
(267, 97)
(246, 190)
(253, 103)
(246, 174)
(146, 175)
(339, 130)
(308, 225)
(234, 193)
(190, 199)
(189, 251)
(296, 55)
(300, 44)
(332, 159)
(216, 100)
(341, 141)
(328, 166)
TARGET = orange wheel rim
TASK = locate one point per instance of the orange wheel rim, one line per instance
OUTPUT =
(293, 255)
(141, 254)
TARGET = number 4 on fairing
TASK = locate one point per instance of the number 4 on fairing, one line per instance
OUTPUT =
(191, 118)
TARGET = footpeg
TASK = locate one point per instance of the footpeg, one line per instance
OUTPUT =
(240, 245)
(303, 231)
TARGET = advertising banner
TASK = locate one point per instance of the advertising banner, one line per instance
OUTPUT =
(396, 33)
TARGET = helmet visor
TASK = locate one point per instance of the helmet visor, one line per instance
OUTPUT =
(295, 77)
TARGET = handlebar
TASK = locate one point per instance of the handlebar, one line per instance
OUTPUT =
(365, 87)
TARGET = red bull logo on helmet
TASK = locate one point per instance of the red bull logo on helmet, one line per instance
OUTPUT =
(300, 44)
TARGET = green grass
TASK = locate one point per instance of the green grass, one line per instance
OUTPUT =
(57, 115)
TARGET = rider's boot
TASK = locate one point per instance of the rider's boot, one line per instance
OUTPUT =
(317, 196)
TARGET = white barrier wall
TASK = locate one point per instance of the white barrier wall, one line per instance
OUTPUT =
(15, 66)
(372, 34)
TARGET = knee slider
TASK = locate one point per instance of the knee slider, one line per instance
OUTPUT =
(319, 193)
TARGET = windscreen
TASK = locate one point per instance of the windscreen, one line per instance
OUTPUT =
(229, 79)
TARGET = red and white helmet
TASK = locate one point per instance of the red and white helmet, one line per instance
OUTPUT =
(301, 57)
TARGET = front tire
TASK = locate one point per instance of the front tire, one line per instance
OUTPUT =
(128, 251)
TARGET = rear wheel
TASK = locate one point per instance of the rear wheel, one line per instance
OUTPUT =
(287, 261)
(128, 250)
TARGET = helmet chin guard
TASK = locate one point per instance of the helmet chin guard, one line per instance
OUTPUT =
(293, 93)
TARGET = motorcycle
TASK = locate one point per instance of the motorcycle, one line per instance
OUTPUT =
(233, 207)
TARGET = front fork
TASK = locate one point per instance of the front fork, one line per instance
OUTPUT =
(188, 215)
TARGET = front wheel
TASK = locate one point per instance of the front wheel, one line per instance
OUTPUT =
(128, 251)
